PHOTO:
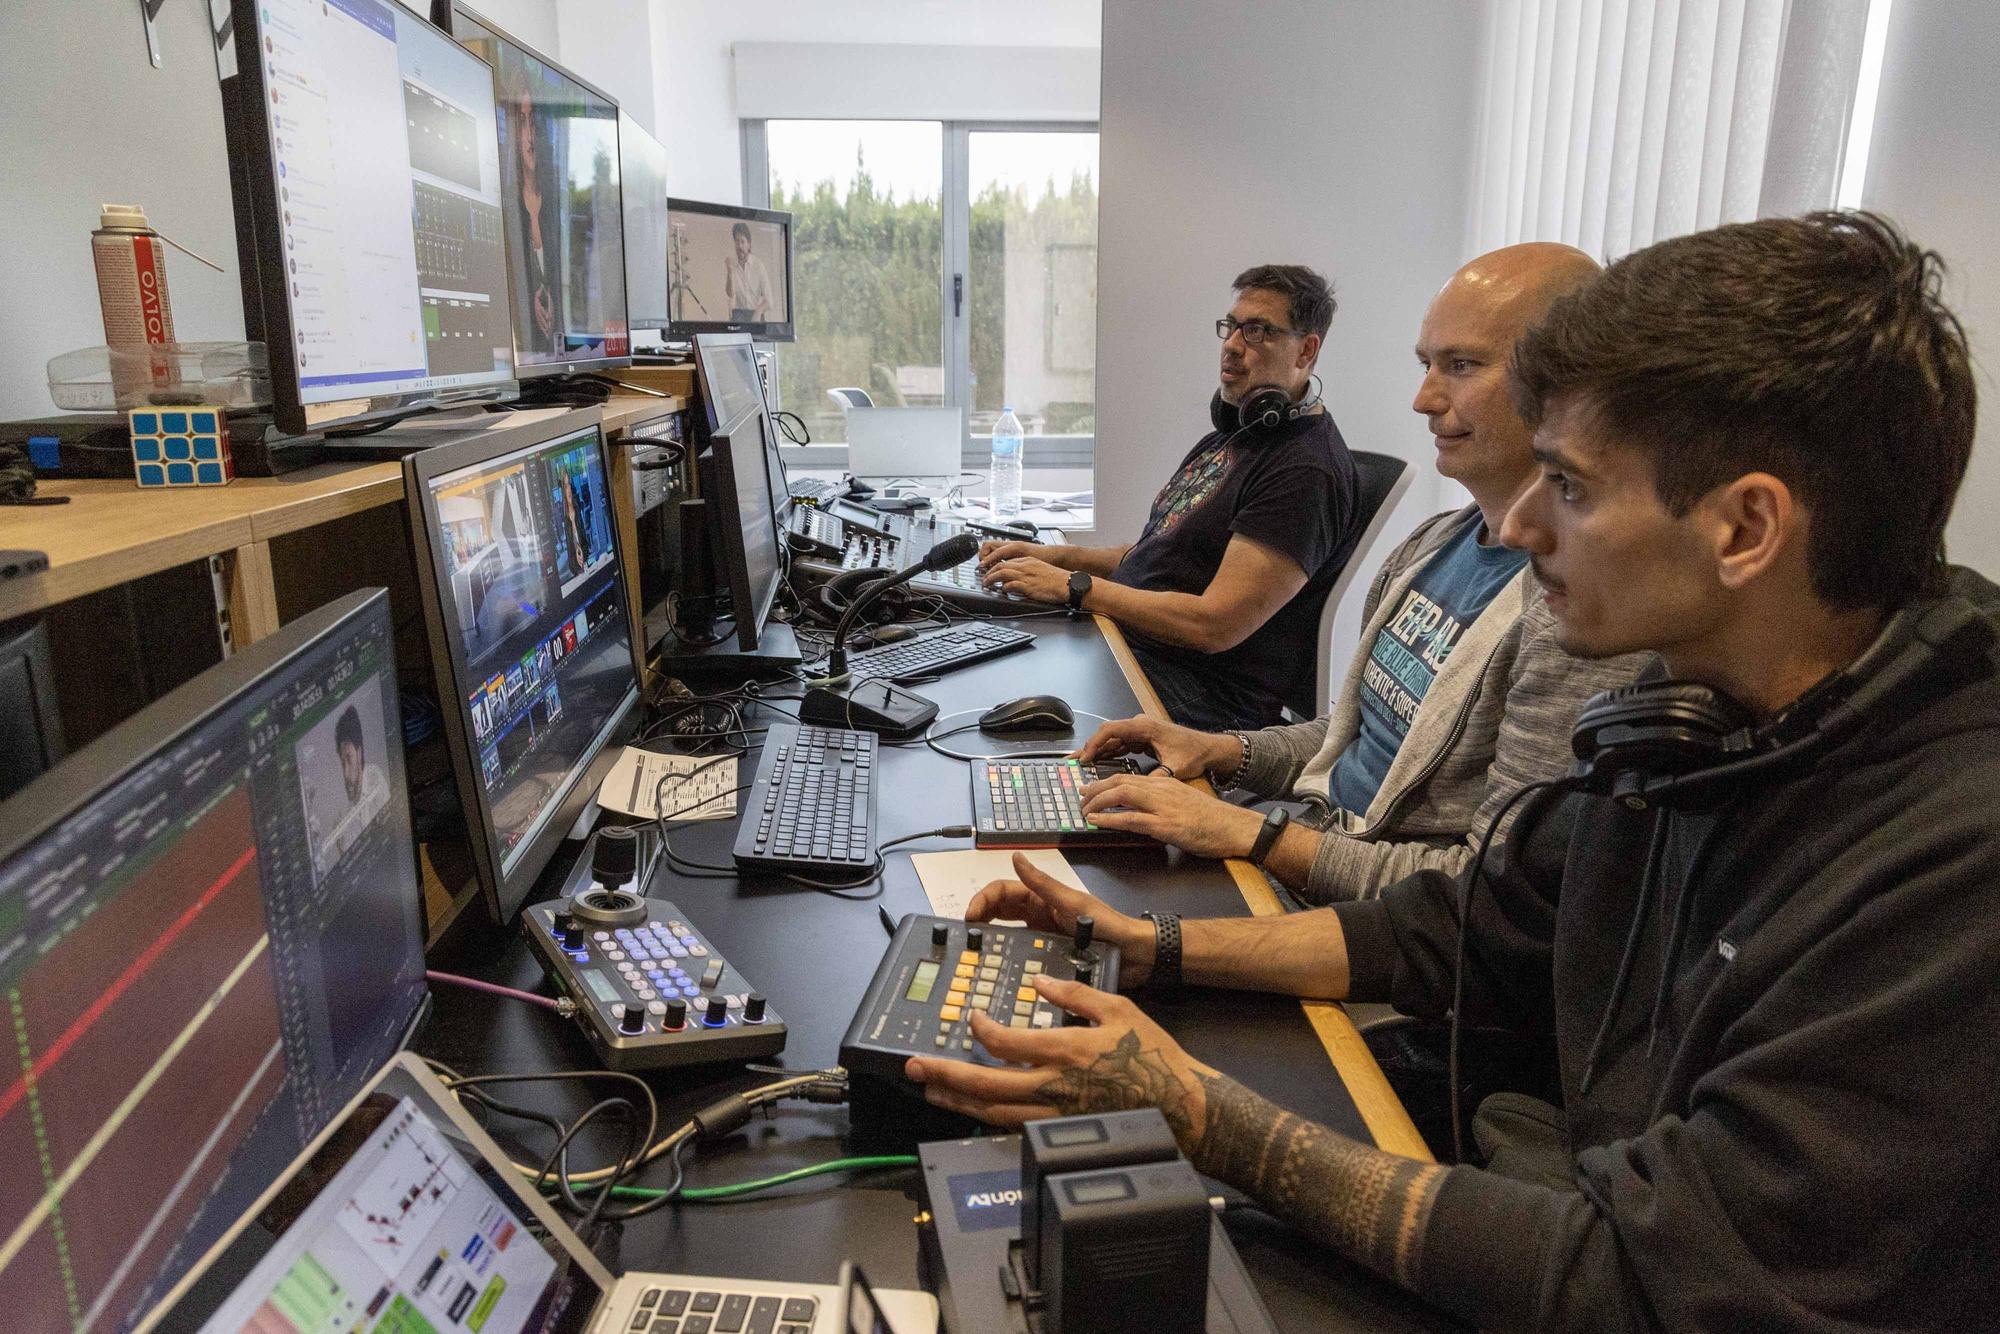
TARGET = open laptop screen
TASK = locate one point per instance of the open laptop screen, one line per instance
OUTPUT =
(395, 1220)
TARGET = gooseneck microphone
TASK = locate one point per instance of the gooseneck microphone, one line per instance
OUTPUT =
(952, 551)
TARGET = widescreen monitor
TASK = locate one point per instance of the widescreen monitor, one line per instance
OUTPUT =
(744, 521)
(642, 179)
(366, 161)
(525, 600)
(210, 940)
(729, 270)
(562, 209)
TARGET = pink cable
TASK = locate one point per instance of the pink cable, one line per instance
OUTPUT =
(453, 979)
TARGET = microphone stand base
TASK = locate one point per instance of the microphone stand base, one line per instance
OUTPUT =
(873, 706)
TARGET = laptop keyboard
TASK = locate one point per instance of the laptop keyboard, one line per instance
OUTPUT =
(720, 1311)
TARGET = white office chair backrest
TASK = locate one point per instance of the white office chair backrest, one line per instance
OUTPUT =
(1383, 481)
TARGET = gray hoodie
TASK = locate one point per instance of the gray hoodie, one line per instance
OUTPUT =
(1497, 718)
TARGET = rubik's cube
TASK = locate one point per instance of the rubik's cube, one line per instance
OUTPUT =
(181, 447)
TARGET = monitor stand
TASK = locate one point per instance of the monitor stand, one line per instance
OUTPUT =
(570, 391)
(777, 650)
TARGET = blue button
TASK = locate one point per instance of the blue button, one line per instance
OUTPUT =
(623, 933)
(690, 940)
(655, 973)
(690, 991)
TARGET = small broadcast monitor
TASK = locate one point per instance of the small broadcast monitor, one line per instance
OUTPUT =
(367, 165)
(745, 522)
(210, 940)
(727, 365)
(525, 601)
(642, 179)
(729, 270)
(562, 211)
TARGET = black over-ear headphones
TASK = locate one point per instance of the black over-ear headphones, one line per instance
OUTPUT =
(1678, 744)
(1265, 406)
(827, 603)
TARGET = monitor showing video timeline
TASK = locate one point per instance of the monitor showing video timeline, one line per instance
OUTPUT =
(531, 605)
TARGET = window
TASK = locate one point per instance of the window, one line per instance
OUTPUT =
(940, 263)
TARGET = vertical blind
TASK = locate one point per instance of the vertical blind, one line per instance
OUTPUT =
(1610, 124)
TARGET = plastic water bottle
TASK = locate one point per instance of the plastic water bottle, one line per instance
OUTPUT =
(1005, 490)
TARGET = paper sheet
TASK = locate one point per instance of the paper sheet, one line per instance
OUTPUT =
(633, 785)
(952, 878)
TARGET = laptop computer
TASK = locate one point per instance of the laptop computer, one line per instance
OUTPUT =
(404, 1216)
(905, 442)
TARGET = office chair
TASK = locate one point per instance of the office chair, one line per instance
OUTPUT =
(1382, 481)
(849, 397)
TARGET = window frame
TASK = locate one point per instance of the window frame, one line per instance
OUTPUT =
(955, 331)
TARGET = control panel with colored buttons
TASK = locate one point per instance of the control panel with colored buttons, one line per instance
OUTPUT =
(650, 989)
(938, 973)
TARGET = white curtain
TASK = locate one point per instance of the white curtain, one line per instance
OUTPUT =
(1611, 124)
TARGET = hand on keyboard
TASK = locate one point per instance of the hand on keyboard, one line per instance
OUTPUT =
(1173, 812)
(1034, 579)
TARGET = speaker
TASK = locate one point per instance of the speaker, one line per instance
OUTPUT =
(694, 584)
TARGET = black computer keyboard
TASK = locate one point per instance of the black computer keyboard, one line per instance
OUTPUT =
(936, 652)
(811, 807)
(1038, 803)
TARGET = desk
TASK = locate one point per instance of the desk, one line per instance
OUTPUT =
(813, 955)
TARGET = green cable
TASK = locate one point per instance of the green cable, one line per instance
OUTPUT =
(703, 1194)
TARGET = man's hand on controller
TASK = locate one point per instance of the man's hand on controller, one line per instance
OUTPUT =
(992, 553)
(1030, 577)
(1125, 1061)
(1183, 750)
(1173, 812)
(1047, 904)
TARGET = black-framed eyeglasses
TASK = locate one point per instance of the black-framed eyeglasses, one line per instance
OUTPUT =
(1254, 331)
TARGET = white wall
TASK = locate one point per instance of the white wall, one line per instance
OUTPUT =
(1934, 166)
(1352, 155)
(86, 119)
(697, 95)
(533, 21)
(610, 43)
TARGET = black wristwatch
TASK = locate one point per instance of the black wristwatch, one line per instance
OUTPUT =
(1166, 949)
(1267, 837)
(1079, 589)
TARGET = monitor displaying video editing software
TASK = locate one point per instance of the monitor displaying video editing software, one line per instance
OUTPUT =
(525, 598)
(209, 942)
(563, 210)
(367, 144)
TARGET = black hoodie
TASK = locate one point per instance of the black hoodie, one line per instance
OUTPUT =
(1801, 1130)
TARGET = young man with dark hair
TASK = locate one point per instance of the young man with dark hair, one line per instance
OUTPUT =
(1458, 695)
(1771, 992)
(746, 283)
(1221, 594)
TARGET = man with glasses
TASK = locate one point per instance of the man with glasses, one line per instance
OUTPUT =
(1220, 596)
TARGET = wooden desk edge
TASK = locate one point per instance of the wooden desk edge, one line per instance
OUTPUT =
(1381, 1111)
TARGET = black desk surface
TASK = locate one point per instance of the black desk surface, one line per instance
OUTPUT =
(813, 955)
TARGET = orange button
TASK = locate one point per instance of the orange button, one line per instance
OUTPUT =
(963, 970)
(969, 956)
(1027, 994)
(950, 1013)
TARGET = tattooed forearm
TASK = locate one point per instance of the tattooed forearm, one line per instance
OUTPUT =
(1125, 1077)
(1369, 1205)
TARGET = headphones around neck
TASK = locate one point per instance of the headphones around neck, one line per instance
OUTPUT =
(1265, 406)
(1679, 744)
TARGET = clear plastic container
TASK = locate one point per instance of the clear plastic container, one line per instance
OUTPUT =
(108, 379)
(1004, 495)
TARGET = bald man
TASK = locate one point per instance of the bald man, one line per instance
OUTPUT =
(1458, 696)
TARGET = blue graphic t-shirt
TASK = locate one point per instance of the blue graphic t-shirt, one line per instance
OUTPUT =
(1447, 596)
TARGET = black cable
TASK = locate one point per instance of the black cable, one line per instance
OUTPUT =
(802, 436)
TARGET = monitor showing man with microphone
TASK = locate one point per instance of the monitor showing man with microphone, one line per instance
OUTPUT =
(1220, 596)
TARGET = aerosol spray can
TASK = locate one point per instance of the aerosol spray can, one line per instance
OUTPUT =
(131, 262)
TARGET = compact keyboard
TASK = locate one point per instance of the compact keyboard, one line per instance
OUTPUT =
(672, 1304)
(1038, 803)
(811, 807)
(959, 586)
(936, 652)
(812, 490)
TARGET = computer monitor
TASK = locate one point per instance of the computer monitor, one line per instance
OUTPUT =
(563, 212)
(744, 521)
(919, 443)
(211, 942)
(729, 270)
(31, 735)
(525, 600)
(366, 166)
(642, 180)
